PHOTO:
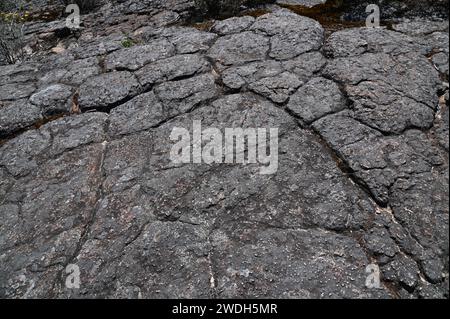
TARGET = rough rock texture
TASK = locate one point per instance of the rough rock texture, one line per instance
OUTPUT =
(86, 178)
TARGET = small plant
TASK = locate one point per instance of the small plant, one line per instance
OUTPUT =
(12, 36)
(127, 43)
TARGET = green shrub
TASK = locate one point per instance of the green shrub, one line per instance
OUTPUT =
(127, 43)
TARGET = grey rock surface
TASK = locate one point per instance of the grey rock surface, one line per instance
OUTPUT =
(136, 57)
(316, 99)
(233, 25)
(18, 115)
(290, 34)
(86, 177)
(179, 66)
(277, 89)
(107, 89)
(53, 99)
(240, 48)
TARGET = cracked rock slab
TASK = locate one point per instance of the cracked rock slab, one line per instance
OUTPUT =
(377, 160)
(274, 267)
(107, 89)
(48, 206)
(185, 94)
(316, 99)
(53, 99)
(354, 42)
(18, 115)
(136, 57)
(239, 48)
(140, 113)
(185, 40)
(240, 76)
(233, 25)
(388, 93)
(16, 91)
(361, 176)
(277, 89)
(172, 68)
(291, 34)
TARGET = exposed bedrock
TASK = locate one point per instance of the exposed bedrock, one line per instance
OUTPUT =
(86, 176)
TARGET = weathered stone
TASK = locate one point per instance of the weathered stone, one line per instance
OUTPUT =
(418, 27)
(389, 158)
(274, 268)
(53, 99)
(56, 203)
(98, 46)
(136, 57)
(279, 88)
(360, 177)
(287, 199)
(389, 93)
(16, 91)
(420, 204)
(380, 106)
(18, 73)
(379, 242)
(184, 95)
(437, 41)
(80, 71)
(23, 155)
(354, 42)
(107, 89)
(18, 115)
(20, 156)
(240, 48)
(441, 62)
(306, 65)
(430, 291)
(316, 99)
(404, 270)
(172, 68)
(238, 77)
(433, 268)
(141, 113)
(291, 34)
(442, 126)
(188, 40)
(233, 25)
(75, 131)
